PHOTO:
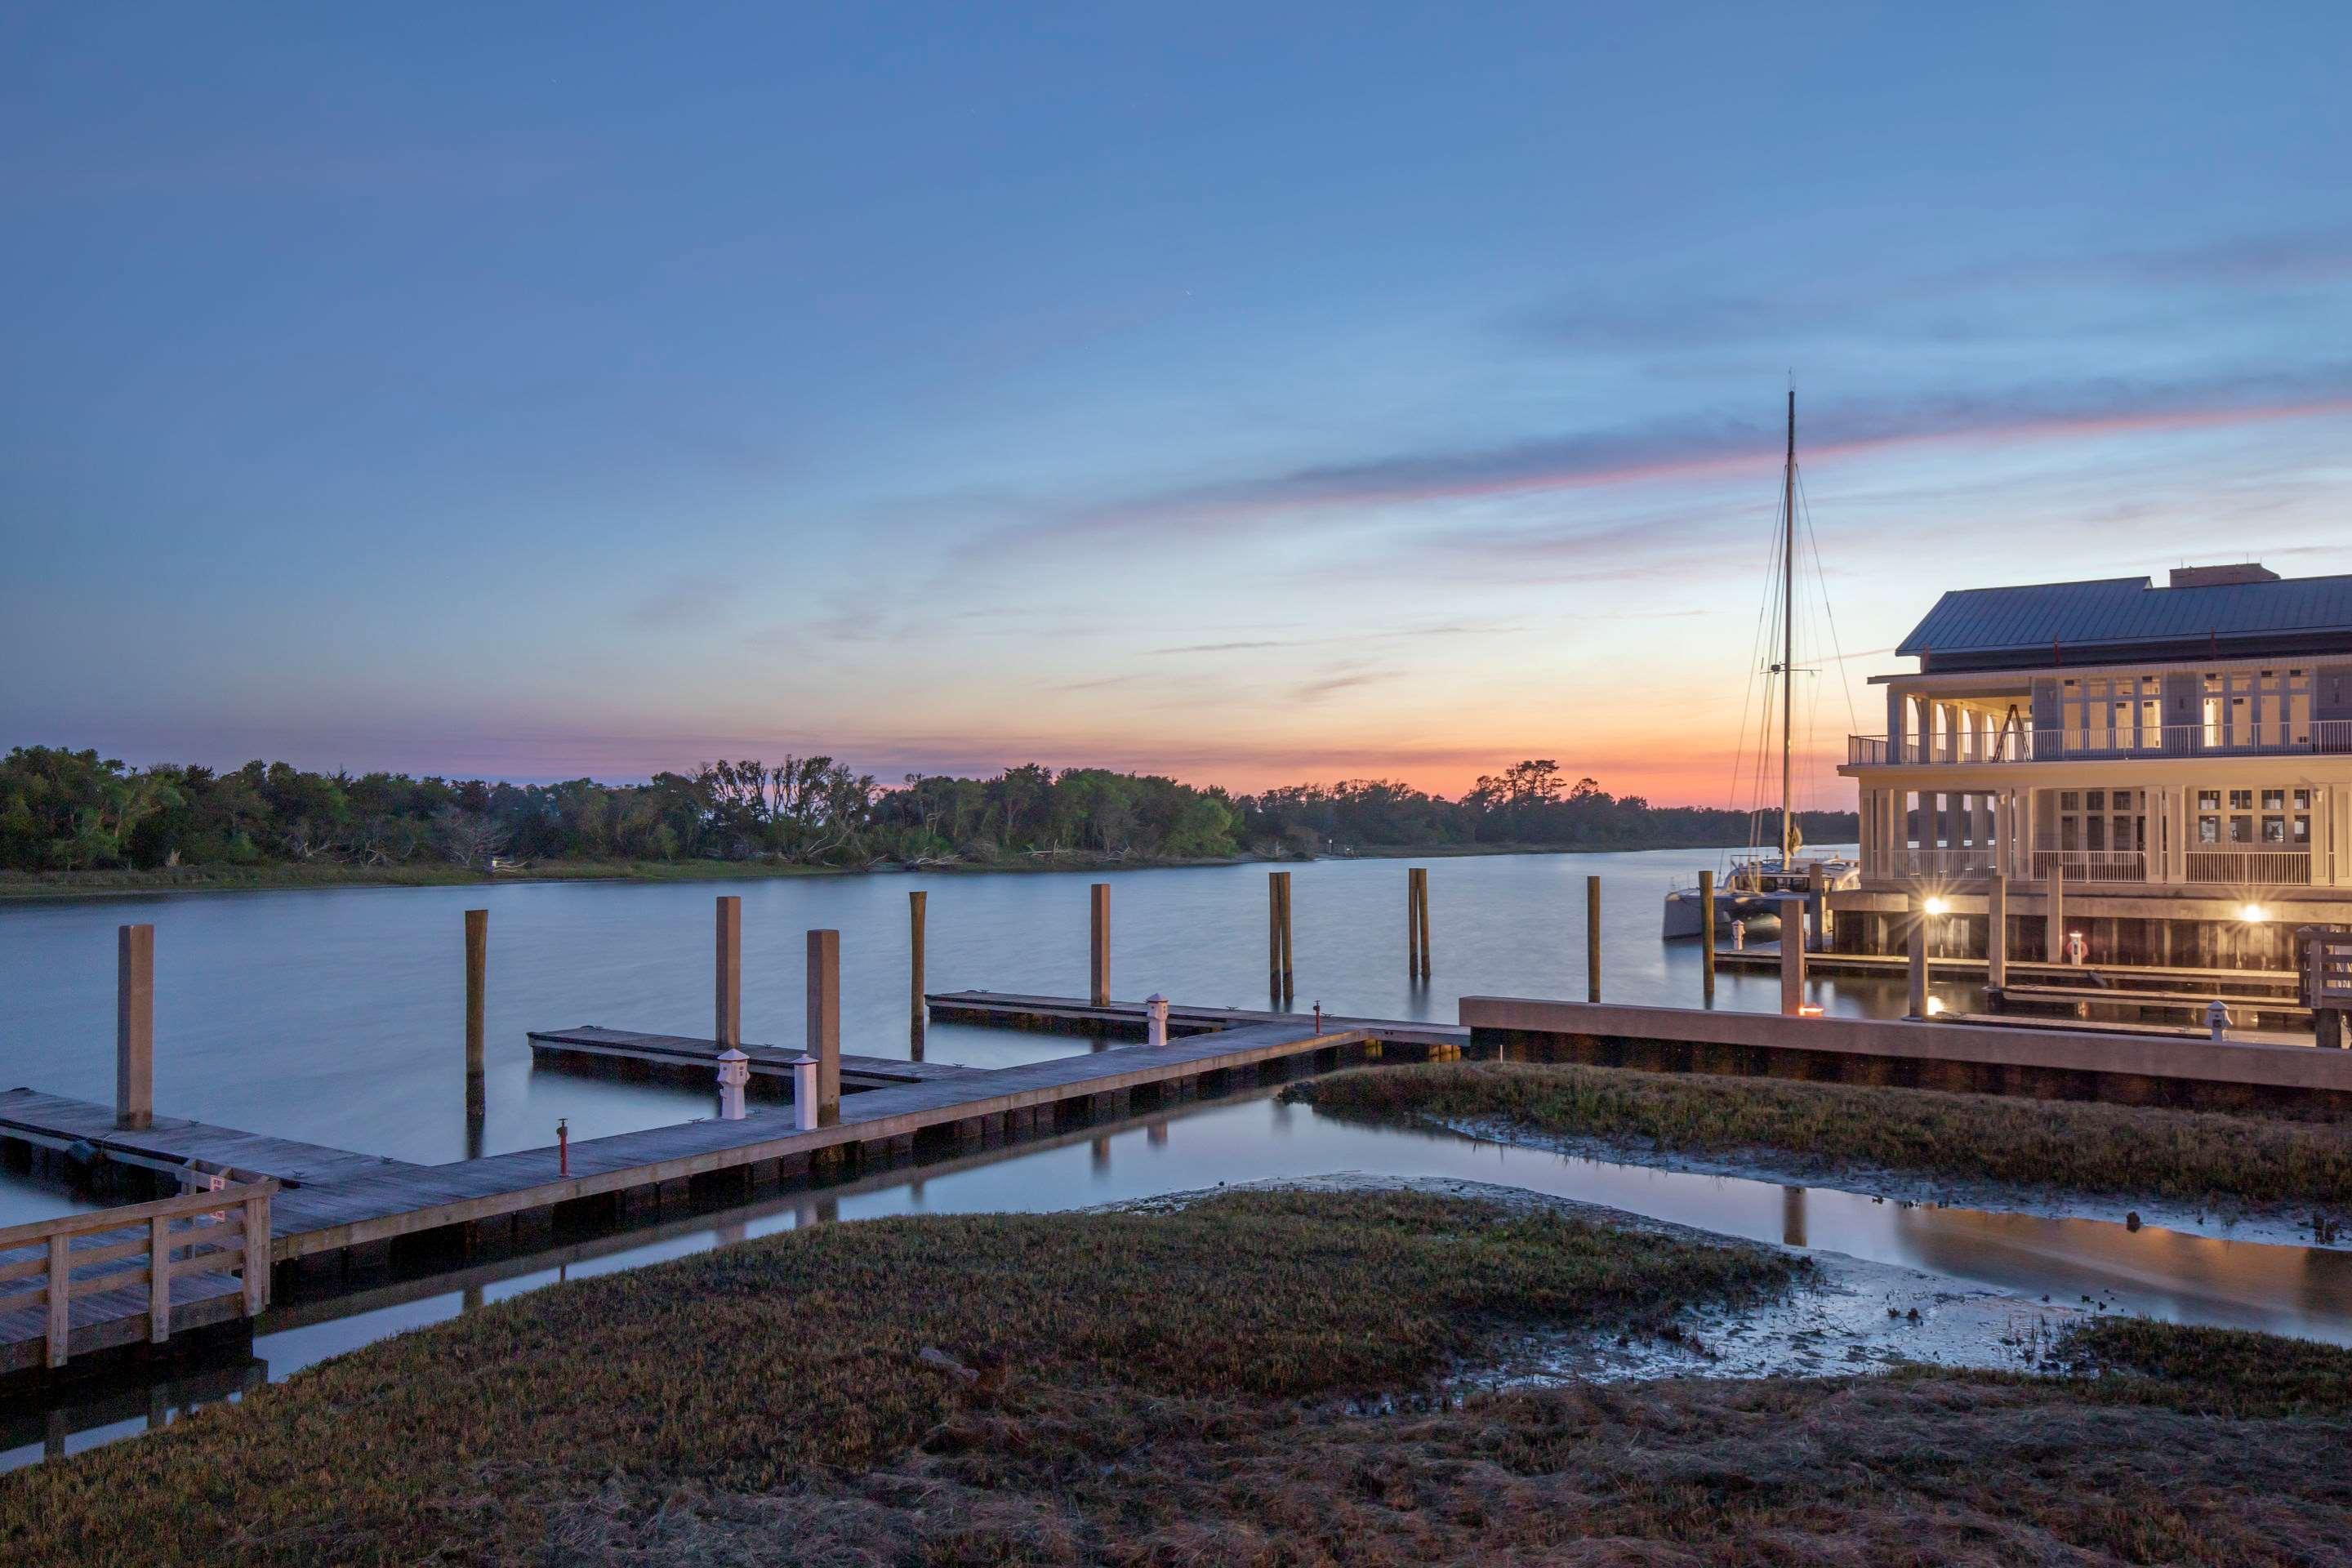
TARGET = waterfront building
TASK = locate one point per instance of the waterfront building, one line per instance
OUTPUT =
(2181, 754)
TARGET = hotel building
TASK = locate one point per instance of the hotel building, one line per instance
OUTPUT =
(2182, 755)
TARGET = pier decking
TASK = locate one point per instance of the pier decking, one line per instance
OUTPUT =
(684, 1053)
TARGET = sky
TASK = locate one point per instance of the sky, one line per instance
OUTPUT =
(1252, 394)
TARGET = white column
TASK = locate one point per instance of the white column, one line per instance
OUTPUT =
(1898, 708)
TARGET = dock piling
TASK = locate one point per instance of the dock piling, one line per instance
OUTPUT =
(729, 1028)
(1411, 920)
(1706, 936)
(1098, 967)
(478, 963)
(1278, 974)
(1592, 938)
(2053, 924)
(917, 1009)
(134, 1027)
(1918, 937)
(825, 1021)
(1997, 931)
(1792, 955)
(1817, 909)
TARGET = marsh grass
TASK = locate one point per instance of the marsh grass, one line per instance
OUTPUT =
(2189, 1157)
(795, 1361)
(1182, 1389)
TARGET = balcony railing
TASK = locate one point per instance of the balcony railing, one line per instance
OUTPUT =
(2250, 867)
(2246, 740)
(1965, 862)
(2092, 865)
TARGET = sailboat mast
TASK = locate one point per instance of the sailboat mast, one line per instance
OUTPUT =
(1788, 633)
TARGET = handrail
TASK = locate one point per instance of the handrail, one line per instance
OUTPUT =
(2271, 738)
(225, 1230)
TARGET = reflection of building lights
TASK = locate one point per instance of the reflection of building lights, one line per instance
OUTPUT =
(2253, 914)
(1935, 1005)
(1937, 907)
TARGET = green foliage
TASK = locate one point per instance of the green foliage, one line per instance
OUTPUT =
(74, 812)
(2191, 1156)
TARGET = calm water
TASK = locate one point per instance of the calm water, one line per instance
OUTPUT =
(337, 1016)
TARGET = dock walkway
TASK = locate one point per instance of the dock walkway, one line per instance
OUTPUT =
(684, 1053)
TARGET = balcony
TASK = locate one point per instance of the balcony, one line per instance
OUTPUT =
(2224, 867)
(2321, 737)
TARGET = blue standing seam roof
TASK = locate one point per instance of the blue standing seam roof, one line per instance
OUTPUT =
(2127, 610)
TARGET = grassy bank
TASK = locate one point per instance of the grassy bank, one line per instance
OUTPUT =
(1191, 1388)
(2191, 1156)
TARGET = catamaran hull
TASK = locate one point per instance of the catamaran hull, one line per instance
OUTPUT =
(1683, 913)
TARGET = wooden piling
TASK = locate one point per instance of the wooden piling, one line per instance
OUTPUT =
(1917, 949)
(915, 988)
(728, 1029)
(1424, 895)
(134, 1027)
(1706, 935)
(1098, 969)
(1817, 905)
(1996, 930)
(825, 1022)
(2054, 937)
(1592, 938)
(1411, 919)
(1278, 974)
(1792, 955)
(477, 964)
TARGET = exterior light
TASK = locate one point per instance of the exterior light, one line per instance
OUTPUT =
(1937, 907)
(2253, 914)
(1935, 1005)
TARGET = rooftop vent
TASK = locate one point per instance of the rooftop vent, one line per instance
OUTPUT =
(2220, 576)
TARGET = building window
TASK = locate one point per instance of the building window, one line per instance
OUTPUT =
(2209, 800)
(2209, 830)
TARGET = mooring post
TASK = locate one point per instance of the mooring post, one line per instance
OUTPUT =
(1917, 948)
(1424, 923)
(1279, 978)
(825, 1021)
(134, 1027)
(1098, 970)
(1997, 931)
(2053, 940)
(728, 1029)
(1411, 919)
(1592, 938)
(477, 964)
(1792, 955)
(918, 1007)
(1817, 906)
(1706, 935)
(1155, 1020)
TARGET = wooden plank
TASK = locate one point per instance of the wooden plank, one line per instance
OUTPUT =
(60, 1324)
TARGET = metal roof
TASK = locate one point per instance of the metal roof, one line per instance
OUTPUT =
(1974, 621)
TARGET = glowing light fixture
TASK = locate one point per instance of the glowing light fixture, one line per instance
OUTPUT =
(1935, 1005)
(2253, 914)
(1937, 907)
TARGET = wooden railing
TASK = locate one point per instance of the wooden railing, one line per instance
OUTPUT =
(2235, 739)
(50, 1264)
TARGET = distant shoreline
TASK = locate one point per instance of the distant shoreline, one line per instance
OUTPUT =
(27, 887)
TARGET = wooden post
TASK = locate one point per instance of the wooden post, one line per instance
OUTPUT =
(1424, 922)
(1917, 948)
(727, 1030)
(1706, 935)
(159, 1280)
(1277, 934)
(477, 962)
(915, 1001)
(2053, 940)
(1411, 919)
(1996, 930)
(1592, 938)
(1817, 904)
(1793, 954)
(134, 1027)
(253, 1271)
(1099, 971)
(825, 1021)
(60, 1299)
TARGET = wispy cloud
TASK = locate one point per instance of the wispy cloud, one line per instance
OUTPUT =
(684, 602)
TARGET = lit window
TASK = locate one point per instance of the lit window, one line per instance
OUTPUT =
(2273, 800)
(2209, 830)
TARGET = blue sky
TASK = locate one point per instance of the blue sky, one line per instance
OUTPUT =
(1255, 393)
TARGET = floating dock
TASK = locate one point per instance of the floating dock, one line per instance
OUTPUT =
(684, 1054)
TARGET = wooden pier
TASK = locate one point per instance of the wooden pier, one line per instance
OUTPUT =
(336, 1205)
(1066, 1014)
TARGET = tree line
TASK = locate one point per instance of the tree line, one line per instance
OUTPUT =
(70, 811)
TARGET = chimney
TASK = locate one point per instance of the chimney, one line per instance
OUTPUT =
(2221, 576)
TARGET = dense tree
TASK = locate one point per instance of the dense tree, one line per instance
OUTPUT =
(67, 811)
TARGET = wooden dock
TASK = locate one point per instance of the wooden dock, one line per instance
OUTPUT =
(1894, 965)
(686, 1055)
(336, 1204)
(1065, 1014)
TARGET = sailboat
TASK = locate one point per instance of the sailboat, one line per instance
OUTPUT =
(1751, 890)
